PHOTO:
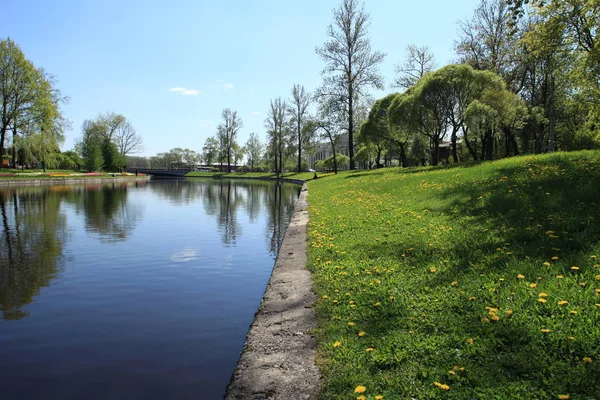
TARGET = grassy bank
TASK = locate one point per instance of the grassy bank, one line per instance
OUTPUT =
(480, 281)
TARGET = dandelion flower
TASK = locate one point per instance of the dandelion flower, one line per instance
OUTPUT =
(587, 360)
(350, 323)
(542, 300)
(563, 303)
(485, 320)
(378, 304)
(574, 268)
(547, 264)
(555, 258)
(559, 277)
(361, 397)
(325, 296)
(360, 389)
(598, 277)
(370, 349)
(379, 397)
(337, 344)
(508, 313)
(533, 285)
(361, 334)
(452, 372)
(470, 340)
(564, 396)
(546, 330)
(454, 283)
(521, 276)
(543, 294)
(432, 270)
(573, 312)
(582, 284)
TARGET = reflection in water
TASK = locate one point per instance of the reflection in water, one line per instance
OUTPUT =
(31, 241)
(34, 231)
(223, 199)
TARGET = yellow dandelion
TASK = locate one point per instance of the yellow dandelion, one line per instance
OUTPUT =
(379, 397)
(444, 387)
(361, 397)
(582, 284)
(350, 323)
(587, 360)
(574, 268)
(533, 285)
(472, 298)
(370, 349)
(494, 317)
(437, 384)
(454, 283)
(564, 396)
(546, 330)
(543, 294)
(361, 334)
(571, 338)
(521, 276)
(451, 372)
(573, 312)
(598, 277)
(597, 305)
(547, 264)
(485, 320)
(542, 300)
(470, 340)
(325, 296)
(378, 304)
(432, 270)
(360, 389)
(555, 258)
(559, 277)
(563, 303)
(337, 344)
(508, 313)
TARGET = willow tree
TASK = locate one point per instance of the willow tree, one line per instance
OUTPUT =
(29, 102)
(351, 66)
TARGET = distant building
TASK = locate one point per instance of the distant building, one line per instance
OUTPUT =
(323, 151)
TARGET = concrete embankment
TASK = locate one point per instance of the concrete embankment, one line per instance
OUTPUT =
(278, 359)
(69, 181)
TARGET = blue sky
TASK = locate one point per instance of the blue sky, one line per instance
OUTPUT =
(171, 67)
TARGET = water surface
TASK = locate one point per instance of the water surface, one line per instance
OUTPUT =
(135, 290)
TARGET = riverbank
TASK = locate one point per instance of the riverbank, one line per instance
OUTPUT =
(70, 180)
(475, 281)
(278, 359)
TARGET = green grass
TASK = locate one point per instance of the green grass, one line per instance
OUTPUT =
(304, 176)
(452, 282)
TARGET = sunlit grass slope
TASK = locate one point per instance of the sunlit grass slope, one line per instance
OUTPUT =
(481, 281)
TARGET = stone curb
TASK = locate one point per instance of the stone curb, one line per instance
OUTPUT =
(278, 359)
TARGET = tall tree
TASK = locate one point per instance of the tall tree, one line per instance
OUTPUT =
(327, 123)
(351, 66)
(418, 62)
(29, 102)
(227, 132)
(254, 150)
(298, 111)
(278, 131)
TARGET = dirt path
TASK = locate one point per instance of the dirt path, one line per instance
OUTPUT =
(277, 361)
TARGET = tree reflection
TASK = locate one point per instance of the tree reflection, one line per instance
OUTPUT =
(32, 236)
(281, 200)
(106, 210)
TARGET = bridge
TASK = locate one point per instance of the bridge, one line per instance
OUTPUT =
(174, 172)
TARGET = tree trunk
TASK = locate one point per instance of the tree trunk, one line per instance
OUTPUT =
(229, 159)
(472, 152)
(402, 155)
(350, 125)
(435, 151)
(552, 116)
(14, 145)
(2, 137)
(299, 148)
(453, 139)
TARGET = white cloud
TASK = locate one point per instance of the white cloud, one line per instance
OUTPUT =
(185, 91)
(226, 86)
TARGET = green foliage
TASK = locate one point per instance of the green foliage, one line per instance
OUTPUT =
(484, 278)
(113, 161)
